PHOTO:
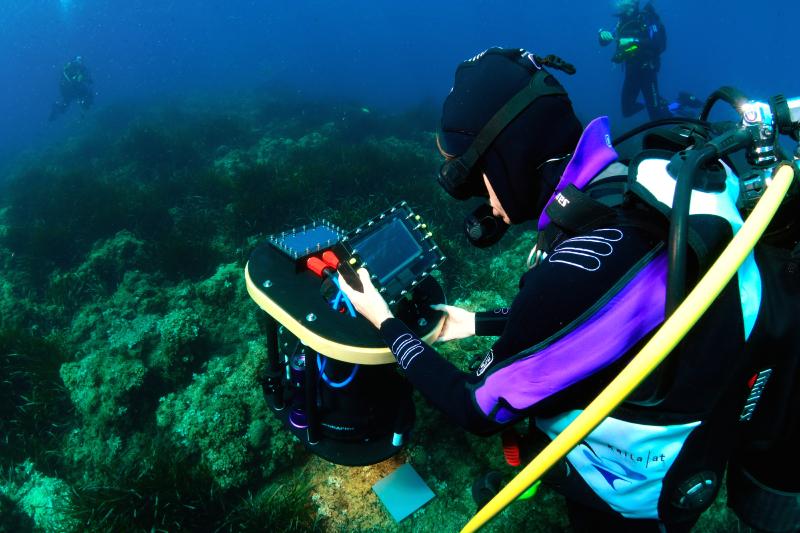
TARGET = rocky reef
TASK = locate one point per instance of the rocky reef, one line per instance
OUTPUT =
(131, 354)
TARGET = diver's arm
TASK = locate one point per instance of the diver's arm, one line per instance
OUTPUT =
(653, 39)
(646, 44)
(437, 379)
(552, 297)
(605, 37)
(659, 37)
(461, 324)
(577, 313)
(444, 385)
(491, 323)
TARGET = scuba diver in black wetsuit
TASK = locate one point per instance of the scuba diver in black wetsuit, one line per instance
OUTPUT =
(597, 292)
(75, 86)
(641, 39)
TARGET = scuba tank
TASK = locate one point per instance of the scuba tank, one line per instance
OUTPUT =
(761, 491)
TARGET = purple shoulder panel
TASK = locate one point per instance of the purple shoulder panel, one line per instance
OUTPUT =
(602, 339)
(592, 155)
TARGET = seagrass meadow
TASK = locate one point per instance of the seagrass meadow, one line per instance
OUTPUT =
(131, 354)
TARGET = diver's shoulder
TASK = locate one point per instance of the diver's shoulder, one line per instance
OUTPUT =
(649, 11)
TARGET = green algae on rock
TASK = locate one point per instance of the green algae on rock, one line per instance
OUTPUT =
(122, 251)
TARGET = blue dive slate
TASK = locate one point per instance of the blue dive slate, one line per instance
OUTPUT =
(402, 492)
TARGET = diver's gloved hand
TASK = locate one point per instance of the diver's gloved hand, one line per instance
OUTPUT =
(458, 323)
(369, 303)
(605, 37)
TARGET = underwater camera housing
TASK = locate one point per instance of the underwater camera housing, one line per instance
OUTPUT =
(330, 377)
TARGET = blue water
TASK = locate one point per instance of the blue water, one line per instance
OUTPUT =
(390, 55)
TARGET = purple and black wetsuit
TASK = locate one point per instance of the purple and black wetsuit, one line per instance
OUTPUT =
(552, 296)
(594, 297)
(579, 316)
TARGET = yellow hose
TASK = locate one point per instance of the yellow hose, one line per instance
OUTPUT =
(651, 355)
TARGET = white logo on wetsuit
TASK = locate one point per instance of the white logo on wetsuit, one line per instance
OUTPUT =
(532, 59)
(405, 348)
(584, 252)
(524, 53)
(485, 363)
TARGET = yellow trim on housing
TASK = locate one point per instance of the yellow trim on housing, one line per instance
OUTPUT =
(342, 352)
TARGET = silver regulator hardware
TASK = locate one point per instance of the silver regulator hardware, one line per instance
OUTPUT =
(764, 121)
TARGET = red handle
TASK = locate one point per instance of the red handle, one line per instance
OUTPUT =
(330, 259)
(317, 266)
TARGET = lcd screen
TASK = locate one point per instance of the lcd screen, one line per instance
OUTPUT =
(388, 250)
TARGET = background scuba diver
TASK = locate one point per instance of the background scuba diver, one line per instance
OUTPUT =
(641, 39)
(652, 466)
(75, 86)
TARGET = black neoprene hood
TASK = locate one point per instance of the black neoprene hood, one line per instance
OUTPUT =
(546, 129)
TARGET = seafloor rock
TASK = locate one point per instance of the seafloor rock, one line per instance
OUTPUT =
(16, 308)
(222, 289)
(180, 340)
(126, 319)
(92, 448)
(45, 499)
(222, 415)
(231, 162)
(271, 150)
(11, 516)
(100, 386)
(109, 261)
(142, 275)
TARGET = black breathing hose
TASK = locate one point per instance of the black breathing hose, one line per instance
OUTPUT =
(716, 148)
(731, 95)
(692, 160)
(655, 124)
(679, 224)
